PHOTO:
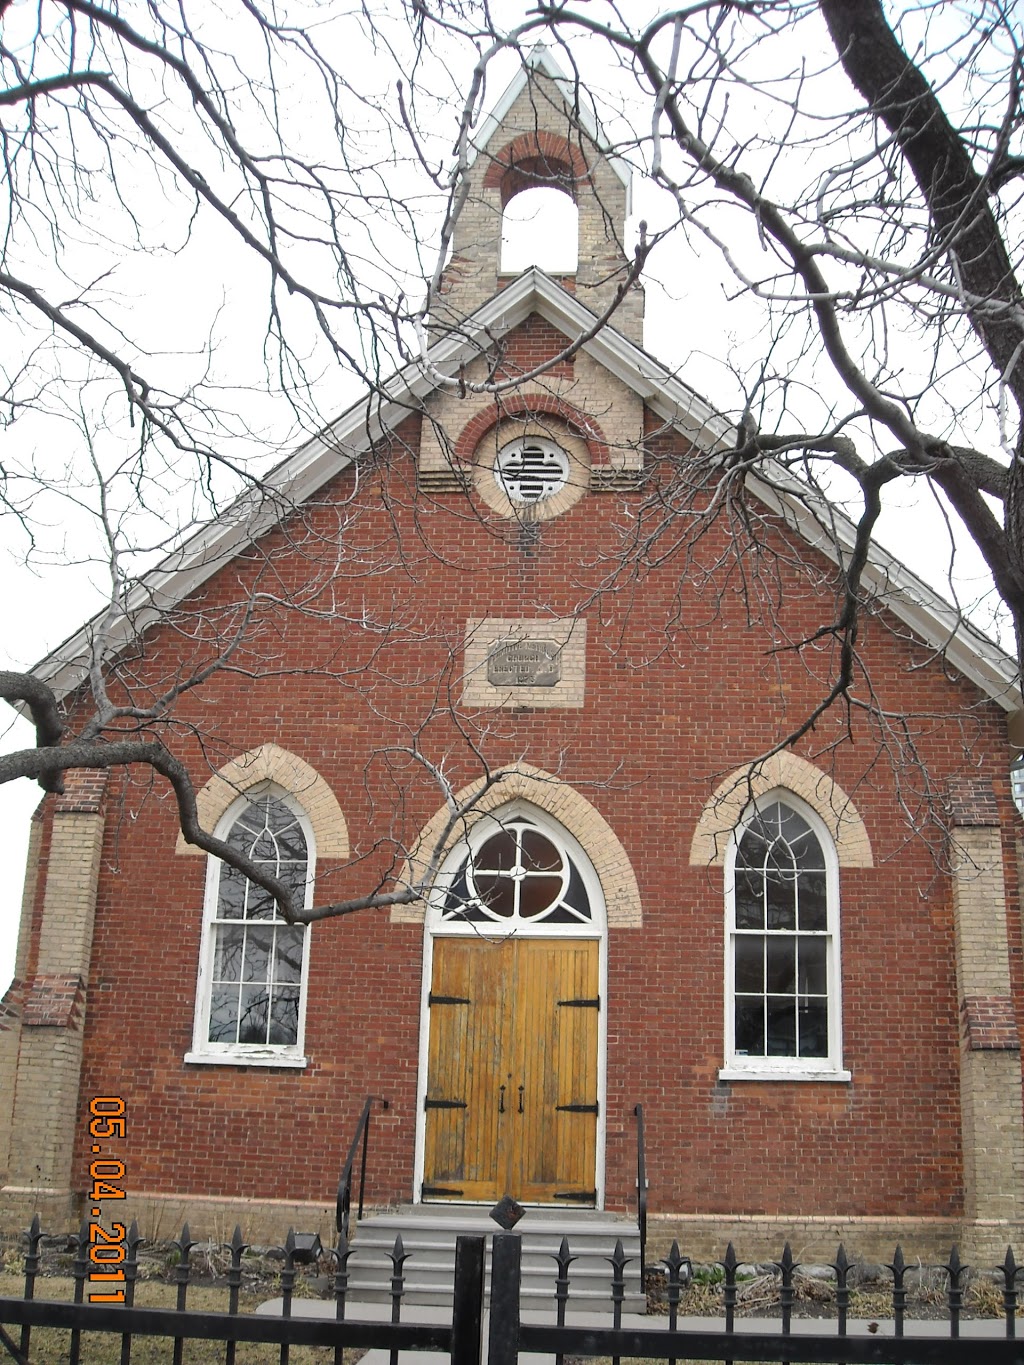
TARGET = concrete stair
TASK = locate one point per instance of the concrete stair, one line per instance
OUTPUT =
(428, 1233)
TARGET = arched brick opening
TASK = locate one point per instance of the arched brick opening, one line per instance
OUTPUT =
(564, 804)
(271, 763)
(537, 160)
(531, 404)
(788, 772)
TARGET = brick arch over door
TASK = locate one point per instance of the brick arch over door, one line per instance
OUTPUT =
(725, 806)
(271, 763)
(573, 811)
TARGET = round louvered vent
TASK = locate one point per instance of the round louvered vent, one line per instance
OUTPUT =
(530, 470)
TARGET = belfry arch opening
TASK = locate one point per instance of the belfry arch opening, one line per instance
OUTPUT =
(540, 226)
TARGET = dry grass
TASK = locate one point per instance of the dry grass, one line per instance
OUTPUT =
(50, 1344)
(758, 1296)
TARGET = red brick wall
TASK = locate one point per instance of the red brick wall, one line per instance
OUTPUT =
(681, 689)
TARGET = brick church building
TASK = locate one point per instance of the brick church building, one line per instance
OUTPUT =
(804, 961)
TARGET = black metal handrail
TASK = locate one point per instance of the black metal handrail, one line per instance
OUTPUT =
(641, 1185)
(345, 1183)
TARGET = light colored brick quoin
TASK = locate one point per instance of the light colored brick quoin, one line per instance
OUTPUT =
(271, 763)
(990, 1078)
(979, 907)
(69, 901)
(563, 803)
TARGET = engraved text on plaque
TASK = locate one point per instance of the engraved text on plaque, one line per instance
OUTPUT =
(524, 663)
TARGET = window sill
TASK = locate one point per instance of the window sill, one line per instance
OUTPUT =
(258, 1057)
(742, 1073)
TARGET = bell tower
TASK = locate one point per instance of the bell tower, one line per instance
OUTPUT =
(542, 134)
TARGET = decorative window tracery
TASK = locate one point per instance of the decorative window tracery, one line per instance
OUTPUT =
(782, 963)
(516, 876)
(252, 975)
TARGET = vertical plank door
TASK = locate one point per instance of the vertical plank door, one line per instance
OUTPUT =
(511, 1102)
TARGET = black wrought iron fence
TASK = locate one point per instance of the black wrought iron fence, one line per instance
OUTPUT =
(577, 1328)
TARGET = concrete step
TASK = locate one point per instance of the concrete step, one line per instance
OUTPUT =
(429, 1231)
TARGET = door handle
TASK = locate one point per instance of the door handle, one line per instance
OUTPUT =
(501, 1099)
(521, 1089)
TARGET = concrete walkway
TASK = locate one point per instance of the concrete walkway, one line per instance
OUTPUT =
(381, 1312)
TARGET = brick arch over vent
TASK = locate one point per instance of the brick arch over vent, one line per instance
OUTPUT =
(525, 405)
(729, 800)
(555, 797)
(271, 763)
(537, 160)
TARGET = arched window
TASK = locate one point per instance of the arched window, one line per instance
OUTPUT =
(518, 872)
(782, 967)
(253, 965)
(540, 226)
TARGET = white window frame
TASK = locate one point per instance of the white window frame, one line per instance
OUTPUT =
(740, 1067)
(203, 1051)
(483, 828)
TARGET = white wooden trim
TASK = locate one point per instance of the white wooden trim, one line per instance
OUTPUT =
(244, 1054)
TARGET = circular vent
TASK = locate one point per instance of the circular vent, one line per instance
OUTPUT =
(530, 470)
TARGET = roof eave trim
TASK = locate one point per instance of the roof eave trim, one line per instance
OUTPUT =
(899, 590)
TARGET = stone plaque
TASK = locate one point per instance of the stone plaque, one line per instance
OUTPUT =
(524, 663)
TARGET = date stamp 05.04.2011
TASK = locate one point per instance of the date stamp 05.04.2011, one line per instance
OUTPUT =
(107, 1123)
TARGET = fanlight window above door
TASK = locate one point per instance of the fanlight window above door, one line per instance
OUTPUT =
(517, 875)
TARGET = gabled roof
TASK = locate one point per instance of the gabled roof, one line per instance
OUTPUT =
(577, 100)
(318, 460)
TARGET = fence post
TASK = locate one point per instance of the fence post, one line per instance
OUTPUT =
(468, 1308)
(503, 1340)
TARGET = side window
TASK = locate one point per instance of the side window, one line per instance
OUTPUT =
(782, 954)
(250, 1002)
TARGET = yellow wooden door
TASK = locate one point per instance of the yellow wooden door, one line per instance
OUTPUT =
(511, 1102)
(552, 1142)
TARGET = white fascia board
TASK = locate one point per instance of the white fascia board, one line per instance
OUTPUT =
(541, 59)
(298, 477)
(301, 474)
(899, 590)
(668, 396)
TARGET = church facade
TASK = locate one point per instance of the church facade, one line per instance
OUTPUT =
(802, 959)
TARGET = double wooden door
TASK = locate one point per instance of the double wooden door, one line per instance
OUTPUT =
(511, 1102)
